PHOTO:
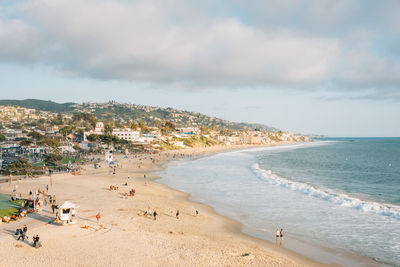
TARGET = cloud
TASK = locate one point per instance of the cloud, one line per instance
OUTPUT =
(200, 45)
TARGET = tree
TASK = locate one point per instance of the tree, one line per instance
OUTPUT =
(143, 127)
(134, 126)
(167, 127)
(2, 138)
(66, 130)
(87, 117)
(80, 134)
(204, 130)
(57, 120)
(108, 138)
(108, 129)
(35, 135)
(19, 167)
(119, 124)
(93, 137)
(25, 142)
(53, 159)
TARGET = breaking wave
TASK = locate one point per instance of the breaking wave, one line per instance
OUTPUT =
(336, 198)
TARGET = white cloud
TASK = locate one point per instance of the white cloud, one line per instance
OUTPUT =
(176, 41)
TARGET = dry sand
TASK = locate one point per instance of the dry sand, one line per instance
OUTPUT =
(128, 238)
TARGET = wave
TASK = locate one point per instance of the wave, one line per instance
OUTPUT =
(336, 198)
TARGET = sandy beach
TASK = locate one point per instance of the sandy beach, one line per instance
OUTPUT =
(124, 236)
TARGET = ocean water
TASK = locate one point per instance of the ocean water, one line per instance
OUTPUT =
(335, 199)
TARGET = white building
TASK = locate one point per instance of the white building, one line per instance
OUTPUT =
(124, 133)
(127, 134)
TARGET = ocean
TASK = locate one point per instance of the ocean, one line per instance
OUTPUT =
(335, 199)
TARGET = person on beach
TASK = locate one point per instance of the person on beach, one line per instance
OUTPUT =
(281, 237)
(24, 231)
(155, 215)
(47, 188)
(36, 243)
(177, 214)
(98, 217)
(197, 212)
(51, 200)
(278, 235)
(20, 234)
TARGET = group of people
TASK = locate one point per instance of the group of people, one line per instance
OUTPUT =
(132, 192)
(279, 236)
(113, 187)
(21, 233)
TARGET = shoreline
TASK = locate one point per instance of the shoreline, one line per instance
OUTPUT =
(219, 237)
(238, 226)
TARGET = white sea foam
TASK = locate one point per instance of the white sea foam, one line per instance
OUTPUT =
(336, 198)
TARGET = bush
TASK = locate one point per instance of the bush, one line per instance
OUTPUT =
(53, 159)
(20, 167)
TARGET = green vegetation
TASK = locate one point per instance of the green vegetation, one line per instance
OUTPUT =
(53, 159)
(2, 138)
(38, 164)
(21, 167)
(69, 159)
(19, 202)
(86, 115)
(9, 212)
(39, 105)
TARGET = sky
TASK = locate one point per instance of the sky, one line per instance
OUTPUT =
(307, 66)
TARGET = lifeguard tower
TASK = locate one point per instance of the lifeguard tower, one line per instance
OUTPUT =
(109, 155)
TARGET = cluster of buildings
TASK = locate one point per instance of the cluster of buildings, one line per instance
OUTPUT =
(177, 138)
(16, 124)
(135, 136)
(18, 114)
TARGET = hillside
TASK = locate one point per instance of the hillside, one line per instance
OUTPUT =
(121, 112)
(39, 105)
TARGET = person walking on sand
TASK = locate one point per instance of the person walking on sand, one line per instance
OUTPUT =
(20, 234)
(24, 231)
(177, 214)
(155, 215)
(98, 217)
(281, 237)
(36, 243)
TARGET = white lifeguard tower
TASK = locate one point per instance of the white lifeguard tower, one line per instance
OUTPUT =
(109, 155)
(68, 212)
